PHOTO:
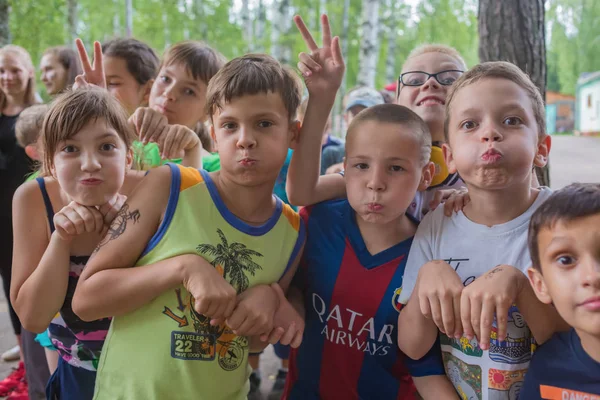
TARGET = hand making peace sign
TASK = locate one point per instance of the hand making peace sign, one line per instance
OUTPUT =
(91, 75)
(322, 69)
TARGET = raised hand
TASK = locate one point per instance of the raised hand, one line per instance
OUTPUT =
(323, 67)
(92, 75)
(175, 140)
(148, 123)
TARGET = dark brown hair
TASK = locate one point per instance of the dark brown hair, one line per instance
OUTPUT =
(69, 59)
(499, 70)
(142, 62)
(72, 111)
(252, 74)
(395, 114)
(578, 200)
(201, 61)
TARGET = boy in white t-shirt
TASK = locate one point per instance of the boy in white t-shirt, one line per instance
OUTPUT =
(495, 135)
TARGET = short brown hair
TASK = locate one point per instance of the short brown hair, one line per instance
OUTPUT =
(142, 62)
(499, 70)
(253, 74)
(29, 124)
(578, 200)
(396, 114)
(69, 59)
(201, 61)
(72, 111)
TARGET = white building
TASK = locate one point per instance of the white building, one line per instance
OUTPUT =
(587, 106)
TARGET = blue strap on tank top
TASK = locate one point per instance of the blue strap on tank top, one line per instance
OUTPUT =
(47, 202)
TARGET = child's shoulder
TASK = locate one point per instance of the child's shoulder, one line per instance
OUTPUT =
(332, 208)
(29, 194)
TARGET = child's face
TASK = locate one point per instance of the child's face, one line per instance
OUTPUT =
(493, 135)
(14, 76)
(383, 170)
(178, 96)
(121, 84)
(570, 272)
(252, 134)
(428, 101)
(90, 167)
(54, 75)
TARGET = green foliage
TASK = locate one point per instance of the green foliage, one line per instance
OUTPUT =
(573, 29)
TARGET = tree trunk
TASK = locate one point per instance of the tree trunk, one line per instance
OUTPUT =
(128, 18)
(514, 30)
(368, 47)
(247, 26)
(72, 21)
(391, 74)
(338, 107)
(199, 16)
(116, 19)
(259, 29)
(279, 31)
(4, 26)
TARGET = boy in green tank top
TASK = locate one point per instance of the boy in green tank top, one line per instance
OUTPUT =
(189, 268)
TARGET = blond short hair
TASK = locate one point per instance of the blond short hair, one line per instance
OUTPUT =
(437, 48)
(29, 124)
(499, 70)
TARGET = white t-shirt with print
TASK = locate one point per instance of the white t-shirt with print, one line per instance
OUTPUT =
(472, 250)
(419, 207)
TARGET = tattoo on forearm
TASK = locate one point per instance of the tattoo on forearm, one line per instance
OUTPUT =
(119, 225)
(497, 268)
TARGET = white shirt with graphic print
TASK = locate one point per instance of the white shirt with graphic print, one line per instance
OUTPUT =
(472, 250)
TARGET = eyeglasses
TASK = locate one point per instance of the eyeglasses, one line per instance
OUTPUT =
(418, 78)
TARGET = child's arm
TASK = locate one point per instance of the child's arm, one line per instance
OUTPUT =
(323, 71)
(435, 387)
(433, 305)
(41, 265)
(109, 287)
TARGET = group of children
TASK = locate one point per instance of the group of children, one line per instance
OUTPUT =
(171, 277)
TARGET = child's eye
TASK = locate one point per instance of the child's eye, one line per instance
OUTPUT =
(565, 261)
(113, 84)
(107, 147)
(361, 166)
(228, 125)
(165, 79)
(69, 149)
(468, 125)
(512, 121)
(189, 92)
(265, 124)
(396, 168)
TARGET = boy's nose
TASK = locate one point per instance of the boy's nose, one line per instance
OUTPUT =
(376, 181)
(246, 139)
(90, 163)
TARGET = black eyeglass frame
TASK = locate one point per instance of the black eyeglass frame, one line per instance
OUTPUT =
(400, 81)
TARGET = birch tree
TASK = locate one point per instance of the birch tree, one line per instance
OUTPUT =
(368, 46)
(4, 23)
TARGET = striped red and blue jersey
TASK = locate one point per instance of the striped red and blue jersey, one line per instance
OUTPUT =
(350, 348)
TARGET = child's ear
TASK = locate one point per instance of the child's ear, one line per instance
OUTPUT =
(541, 158)
(294, 133)
(344, 164)
(31, 151)
(449, 158)
(536, 279)
(426, 176)
(147, 89)
(129, 159)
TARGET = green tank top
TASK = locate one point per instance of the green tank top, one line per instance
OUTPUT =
(165, 350)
